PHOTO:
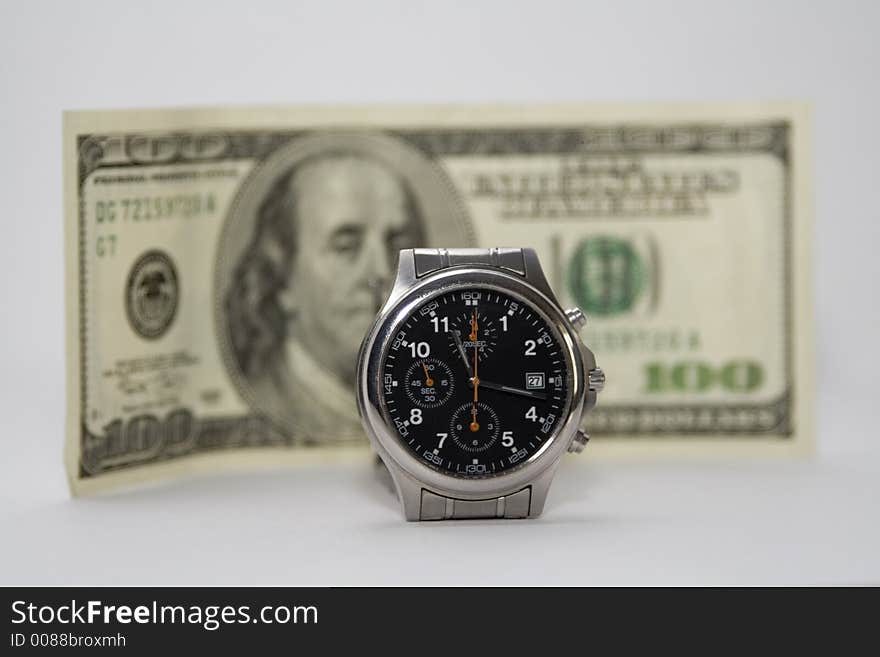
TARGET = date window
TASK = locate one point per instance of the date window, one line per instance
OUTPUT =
(534, 380)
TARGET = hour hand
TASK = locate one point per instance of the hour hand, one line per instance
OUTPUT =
(513, 391)
(460, 346)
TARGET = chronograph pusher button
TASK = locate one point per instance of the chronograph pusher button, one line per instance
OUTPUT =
(576, 318)
(578, 442)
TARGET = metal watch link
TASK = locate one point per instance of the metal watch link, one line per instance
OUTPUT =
(473, 382)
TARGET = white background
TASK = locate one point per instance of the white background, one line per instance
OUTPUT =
(813, 521)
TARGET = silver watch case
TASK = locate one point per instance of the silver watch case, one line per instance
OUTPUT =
(408, 473)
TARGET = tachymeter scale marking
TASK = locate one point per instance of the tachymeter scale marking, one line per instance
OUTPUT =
(527, 357)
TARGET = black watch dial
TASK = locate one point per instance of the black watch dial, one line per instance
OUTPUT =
(475, 382)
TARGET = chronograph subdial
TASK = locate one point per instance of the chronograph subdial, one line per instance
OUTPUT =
(462, 333)
(474, 432)
(429, 383)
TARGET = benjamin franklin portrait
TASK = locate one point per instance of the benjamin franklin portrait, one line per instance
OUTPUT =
(311, 275)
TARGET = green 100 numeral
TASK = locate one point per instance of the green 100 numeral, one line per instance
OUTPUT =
(697, 376)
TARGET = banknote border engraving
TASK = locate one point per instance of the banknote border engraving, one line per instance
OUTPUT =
(774, 418)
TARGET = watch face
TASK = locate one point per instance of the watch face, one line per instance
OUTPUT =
(475, 382)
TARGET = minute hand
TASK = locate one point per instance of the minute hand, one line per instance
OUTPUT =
(462, 352)
(513, 391)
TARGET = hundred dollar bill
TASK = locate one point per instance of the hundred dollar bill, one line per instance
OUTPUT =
(224, 264)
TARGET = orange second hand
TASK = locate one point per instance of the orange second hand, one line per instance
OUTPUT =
(474, 424)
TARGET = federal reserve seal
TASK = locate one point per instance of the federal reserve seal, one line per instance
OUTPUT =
(152, 294)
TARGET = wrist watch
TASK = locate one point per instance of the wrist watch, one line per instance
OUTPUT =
(473, 382)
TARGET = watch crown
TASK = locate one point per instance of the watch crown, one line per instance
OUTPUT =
(576, 318)
(596, 379)
(578, 442)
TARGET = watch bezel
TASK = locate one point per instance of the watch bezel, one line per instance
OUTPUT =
(386, 440)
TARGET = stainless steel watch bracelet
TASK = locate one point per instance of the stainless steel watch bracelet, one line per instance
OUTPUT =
(439, 507)
(428, 261)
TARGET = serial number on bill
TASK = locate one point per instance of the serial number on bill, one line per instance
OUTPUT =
(149, 208)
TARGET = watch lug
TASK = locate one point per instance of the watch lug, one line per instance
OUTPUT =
(406, 276)
(535, 274)
(540, 488)
(409, 491)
